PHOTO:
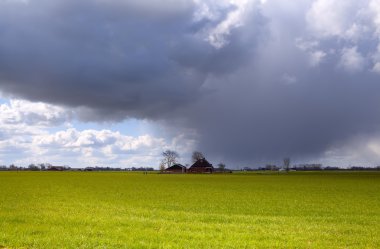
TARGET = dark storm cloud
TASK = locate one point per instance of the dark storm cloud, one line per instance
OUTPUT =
(115, 57)
(275, 121)
(284, 102)
(256, 81)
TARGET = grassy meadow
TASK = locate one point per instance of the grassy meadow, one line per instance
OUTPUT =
(241, 210)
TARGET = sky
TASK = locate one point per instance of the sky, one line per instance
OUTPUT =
(246, 82)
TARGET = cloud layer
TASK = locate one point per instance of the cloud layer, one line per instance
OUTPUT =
(256, 80)
(118, 58)
(33, 132)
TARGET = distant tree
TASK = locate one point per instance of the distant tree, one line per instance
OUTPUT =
(222, 166)
(197, 155)
(45, 166)
(170, 158)
(271, 167)
(33, 167)
(286, 163)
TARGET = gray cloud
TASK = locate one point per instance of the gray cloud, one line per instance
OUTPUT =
(115, 57)
(255, 80)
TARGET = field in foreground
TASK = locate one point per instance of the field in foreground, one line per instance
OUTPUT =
(132, 210)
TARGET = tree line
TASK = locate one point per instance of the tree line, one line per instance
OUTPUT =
(171, 157)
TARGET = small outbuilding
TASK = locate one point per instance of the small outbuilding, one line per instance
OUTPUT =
(176, 169)
(201, 166)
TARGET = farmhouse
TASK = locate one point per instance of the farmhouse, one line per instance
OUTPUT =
(56, 168)
(201, 166)
(176, 168)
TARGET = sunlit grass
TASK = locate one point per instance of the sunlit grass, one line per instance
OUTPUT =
(132, 210)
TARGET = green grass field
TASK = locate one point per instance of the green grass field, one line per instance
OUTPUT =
(132, 210)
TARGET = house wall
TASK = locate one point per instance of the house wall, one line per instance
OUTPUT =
(176, 171)
(200, 170)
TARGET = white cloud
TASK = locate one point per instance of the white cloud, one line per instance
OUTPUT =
(316, 57)
(375, 9)
(72, 139)
(104, 147)
(356, 32)
(311, 48)
(351, 60)
(93, 147)
(376, 67)
(21, 120)
(376, 60)
(306, 45)
(333, 18)
(226, 14)
(34, 114)
(26, 137)
(331, 25)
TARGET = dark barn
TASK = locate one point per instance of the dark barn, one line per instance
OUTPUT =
(56, 168)
(176, 168)
(201, 166)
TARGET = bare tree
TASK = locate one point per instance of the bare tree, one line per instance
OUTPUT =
(197, 155)
(286, 163)
(162, 166)
(222, 166)
(170, 158)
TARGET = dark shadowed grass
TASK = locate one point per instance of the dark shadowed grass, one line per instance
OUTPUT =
(132, 210)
